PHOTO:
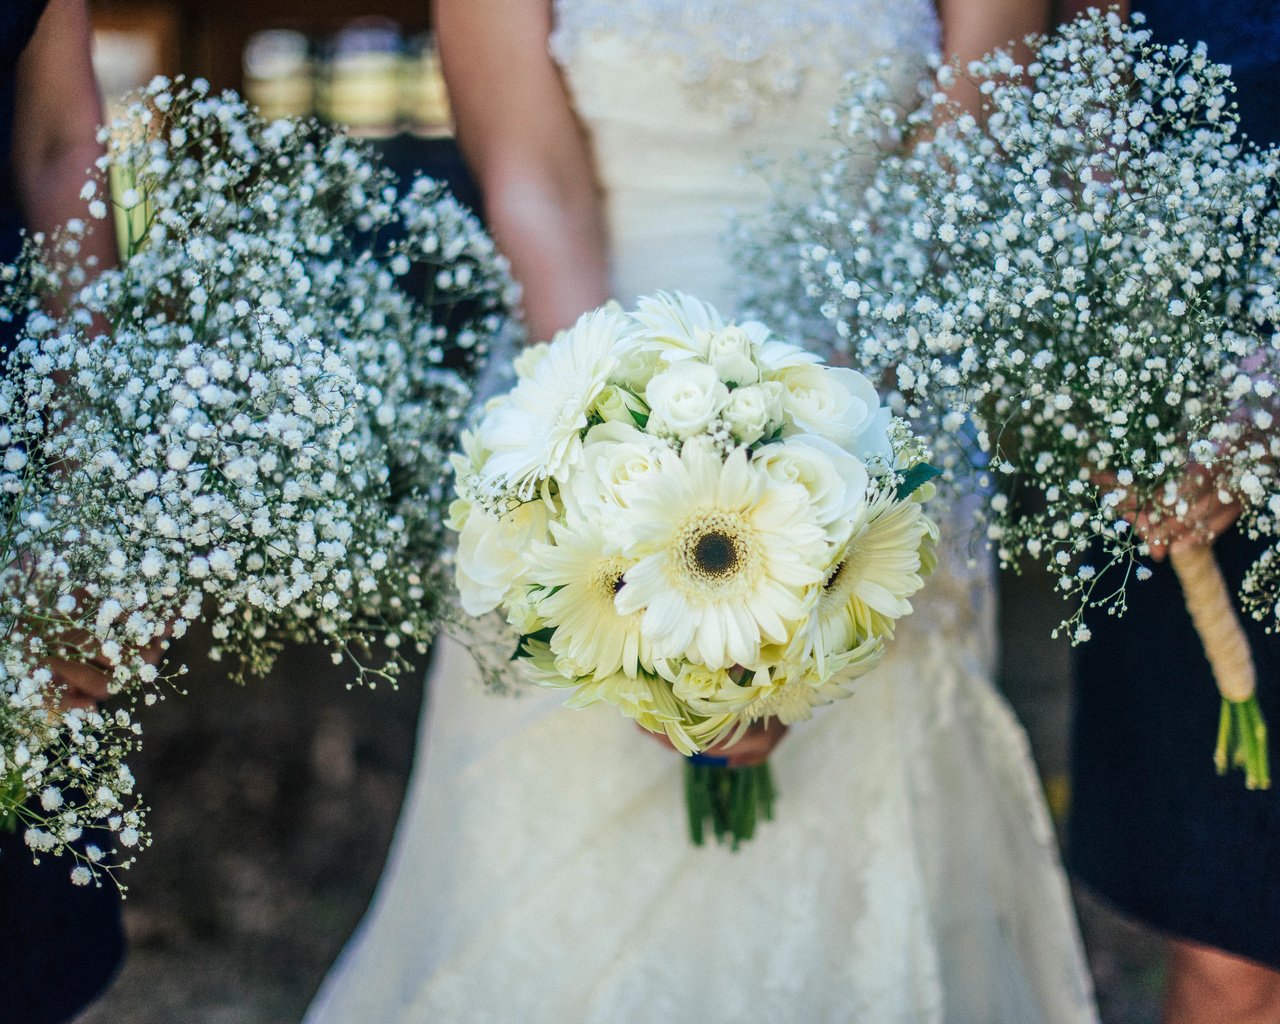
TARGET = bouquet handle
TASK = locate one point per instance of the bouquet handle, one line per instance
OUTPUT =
(1242, 733)
(729, 800)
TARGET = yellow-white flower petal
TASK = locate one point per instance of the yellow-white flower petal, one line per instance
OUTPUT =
(724, 557)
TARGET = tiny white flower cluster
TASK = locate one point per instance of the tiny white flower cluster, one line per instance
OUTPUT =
(691, 520)
(1077, 293)
(247, 423)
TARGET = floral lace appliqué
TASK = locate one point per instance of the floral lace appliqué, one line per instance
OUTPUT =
(748, 54)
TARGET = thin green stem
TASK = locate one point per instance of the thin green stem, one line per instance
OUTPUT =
(1242, 742)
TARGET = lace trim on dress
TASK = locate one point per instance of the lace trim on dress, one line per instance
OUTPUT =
(748, 54)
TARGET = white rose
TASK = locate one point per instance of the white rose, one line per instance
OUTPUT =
(618, 405)
(685, 399)
(695, 683)
(732, 352)
(637, 363)
(777, 356)
(490, 560)
(836, 481)
(522, 613)
(753, 412)
(872, 445)
(615, 456)
(830, 401)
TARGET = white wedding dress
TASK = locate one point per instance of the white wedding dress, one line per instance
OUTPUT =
(541, 872)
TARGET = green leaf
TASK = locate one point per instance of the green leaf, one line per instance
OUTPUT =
(915, 478)
(641, 418)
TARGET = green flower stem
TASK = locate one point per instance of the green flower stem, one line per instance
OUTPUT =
(731, 800)
(1242, 742)
(13, 795)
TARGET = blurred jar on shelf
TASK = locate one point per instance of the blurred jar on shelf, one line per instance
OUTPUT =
(359, 80)
(279, 74)
(424, 98)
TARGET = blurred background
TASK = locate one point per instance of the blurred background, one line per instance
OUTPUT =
(272, 806)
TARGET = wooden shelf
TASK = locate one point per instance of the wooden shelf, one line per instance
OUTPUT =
(208, 39)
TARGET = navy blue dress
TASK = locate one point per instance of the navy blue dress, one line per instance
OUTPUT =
(1153, 829)
(18, 20)
(60, 945)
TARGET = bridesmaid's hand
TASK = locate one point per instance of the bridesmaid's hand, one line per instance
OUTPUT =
(753, 748)
(84, 681)
(1207, 516)
(79, 684)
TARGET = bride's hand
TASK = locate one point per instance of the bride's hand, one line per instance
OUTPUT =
(753, 748)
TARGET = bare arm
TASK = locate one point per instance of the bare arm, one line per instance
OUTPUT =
(972, 28)
(57, 113)
(527, 151)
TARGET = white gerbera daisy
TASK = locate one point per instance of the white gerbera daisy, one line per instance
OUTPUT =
(536, 432)
(582, 572)
(680, 327)
(787, 691)
(677, 322)
(791, 693)
(644, 698)
(880, 568)
(724, 557)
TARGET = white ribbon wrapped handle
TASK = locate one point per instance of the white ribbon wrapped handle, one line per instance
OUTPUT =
(1216, 620)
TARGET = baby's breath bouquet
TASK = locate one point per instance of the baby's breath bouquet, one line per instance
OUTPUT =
(1077, 296)
(248, 422)
(64, 770)
(695, 522)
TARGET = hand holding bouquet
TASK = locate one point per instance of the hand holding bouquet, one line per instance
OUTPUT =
(1088, 276)
(694, 522)
(247, 423)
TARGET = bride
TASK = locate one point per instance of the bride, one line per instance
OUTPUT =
(541, 871)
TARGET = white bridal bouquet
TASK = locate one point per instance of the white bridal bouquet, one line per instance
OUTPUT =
(695, 522)
(1083, 287)
(248, 422)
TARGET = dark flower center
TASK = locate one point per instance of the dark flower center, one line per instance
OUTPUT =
(715, 554)
(849, 571)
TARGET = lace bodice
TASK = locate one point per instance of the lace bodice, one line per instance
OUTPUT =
(678, 96)
(744, 54)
